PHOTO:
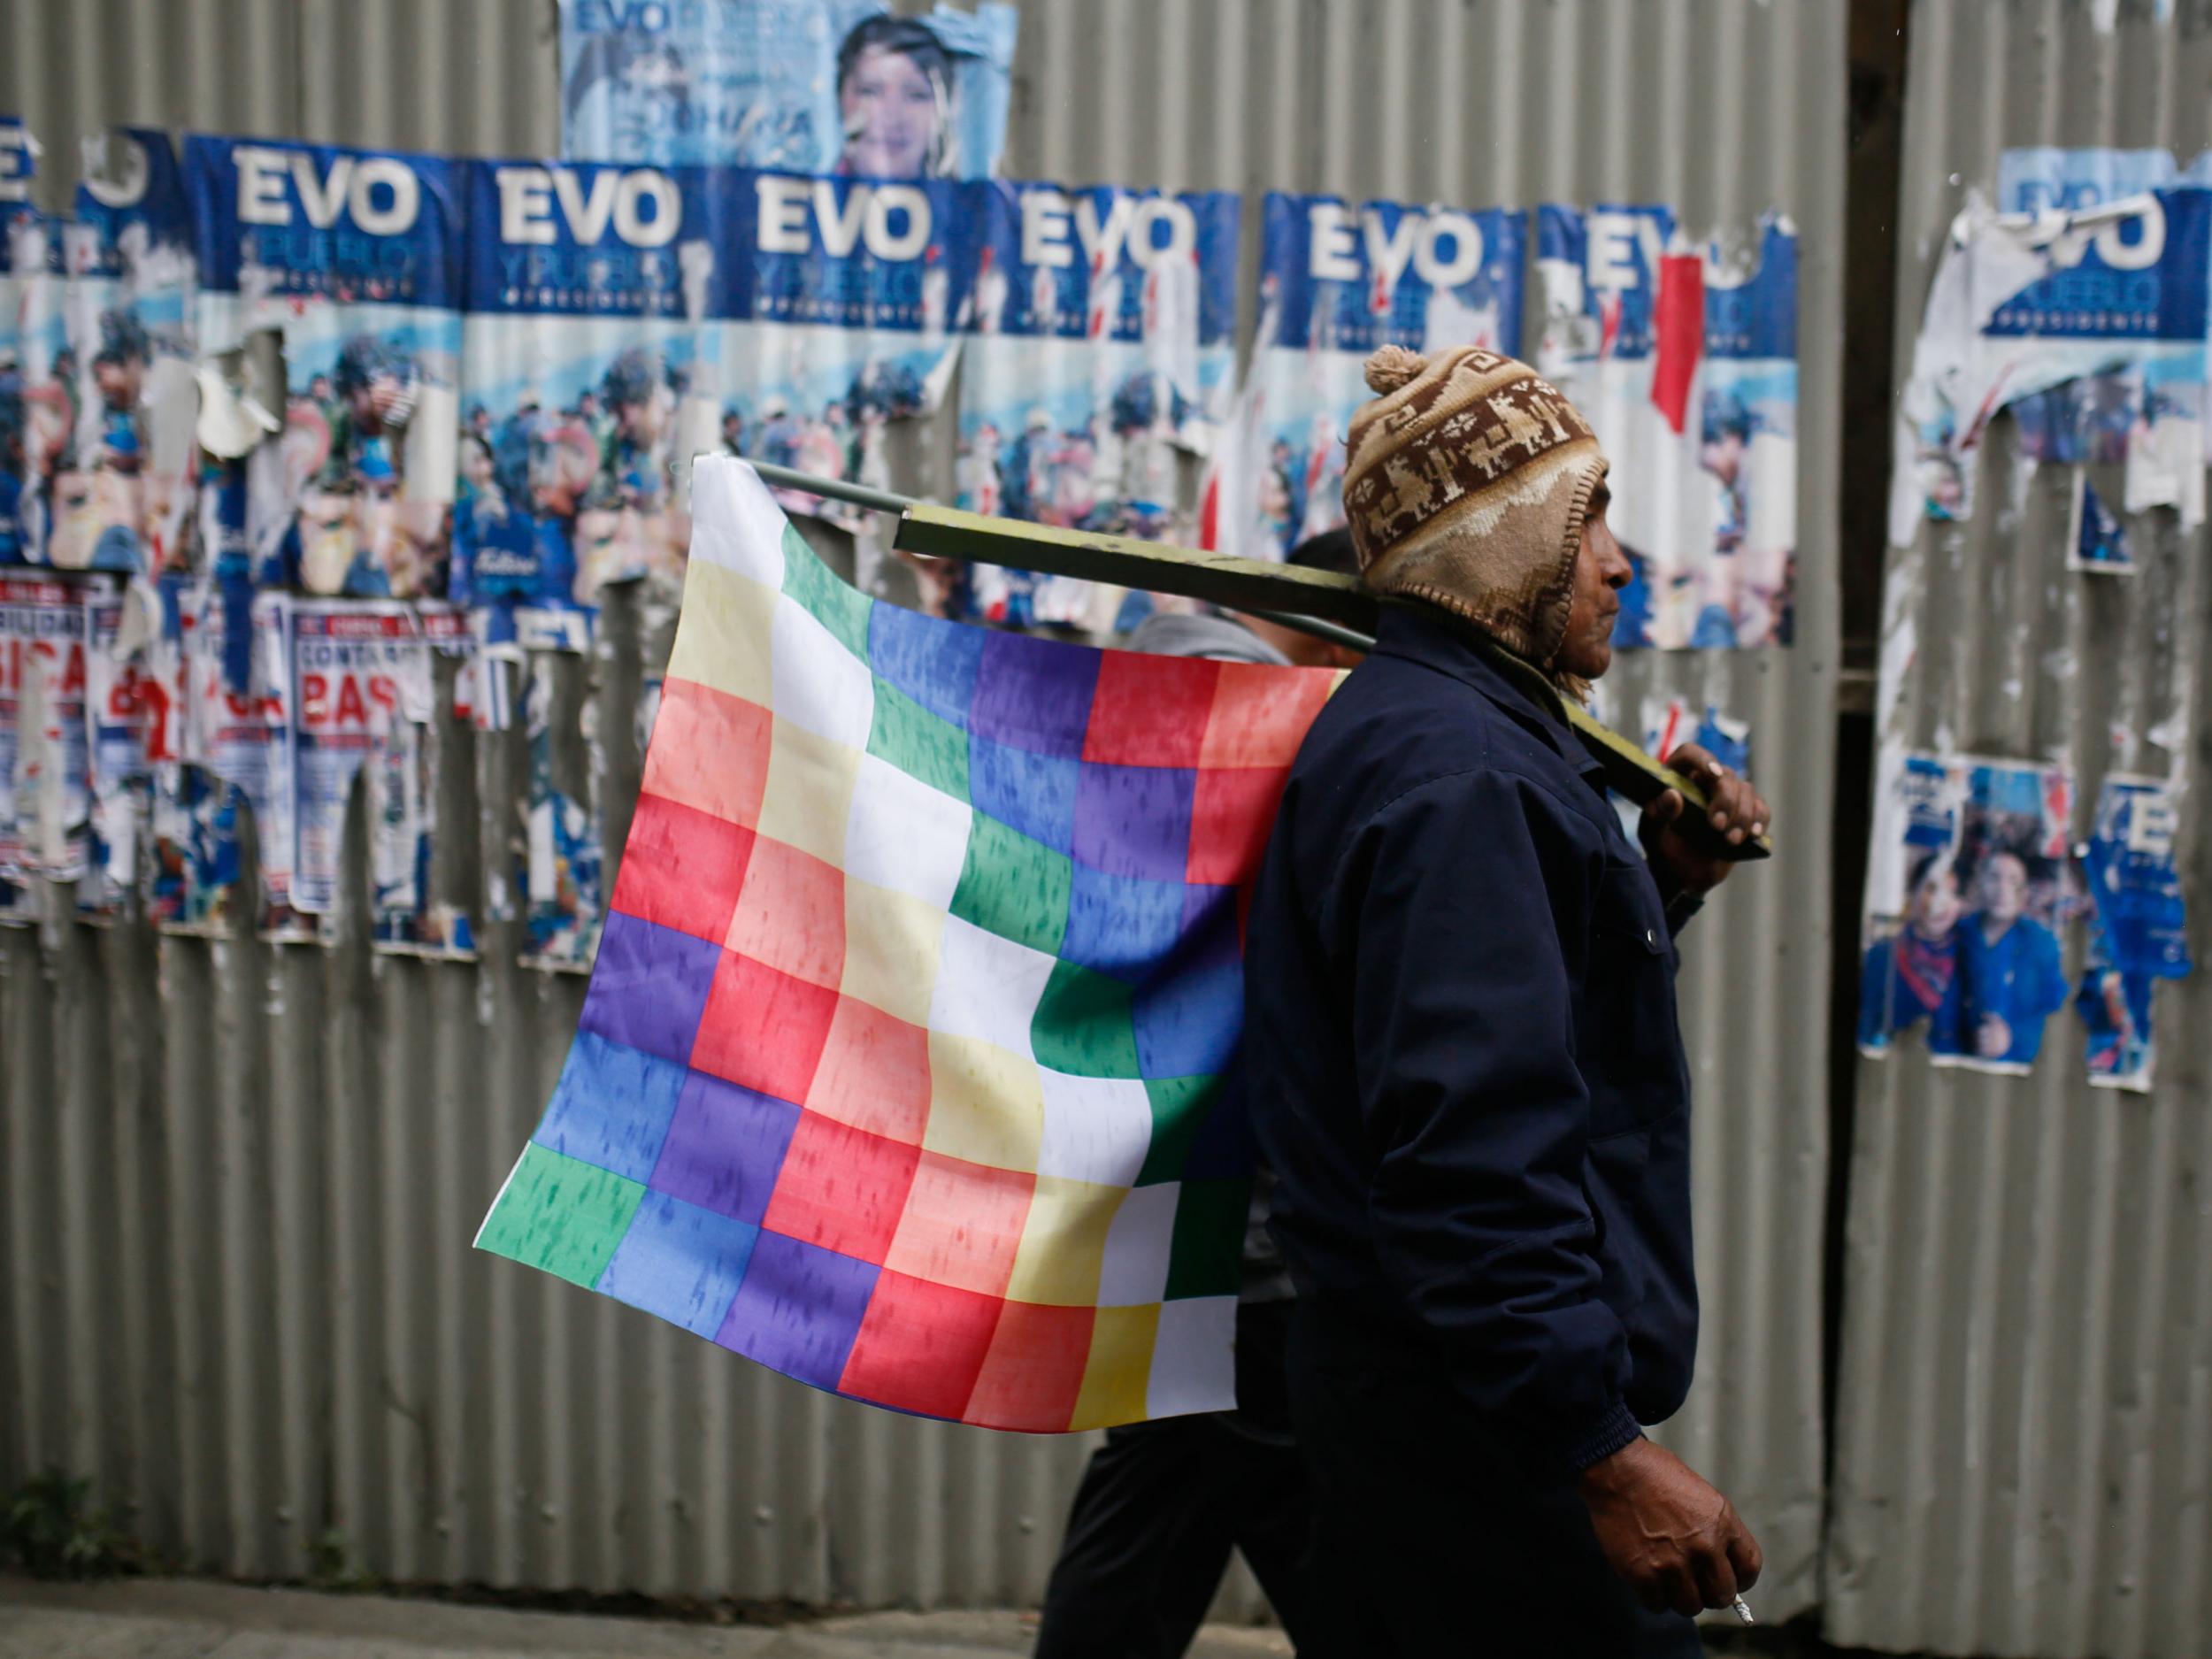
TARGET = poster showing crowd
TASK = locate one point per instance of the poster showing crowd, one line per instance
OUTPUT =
(2088, 325)
(1683, 357)
(355, 256)
(852, 295)
(1336, 281)
(1103, 345)
(1971, 884)
(112, 480)
(593, 359)
(825, 87)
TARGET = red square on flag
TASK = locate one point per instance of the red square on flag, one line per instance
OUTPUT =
(710, 750)
(963, 1223)
(921, 1346)
(1033, 1372)
(791, 914)
(1231, 812)
(1149, 711)
(874, 1074)
(1260, 714)
(682, 868)
(763, 1030)
(841, 1188)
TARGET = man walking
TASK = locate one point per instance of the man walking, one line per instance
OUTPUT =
(1163, 1503)
(1466, 1074)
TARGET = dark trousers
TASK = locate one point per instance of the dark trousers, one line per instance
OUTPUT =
(1433, 1538)
(1161, 1505)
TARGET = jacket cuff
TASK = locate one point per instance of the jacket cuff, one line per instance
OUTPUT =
(1680, 907)
(1600, 1440)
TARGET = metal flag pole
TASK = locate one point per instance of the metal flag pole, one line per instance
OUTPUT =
(1318, 603)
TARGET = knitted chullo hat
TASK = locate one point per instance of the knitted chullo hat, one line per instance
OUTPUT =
(1466, 482)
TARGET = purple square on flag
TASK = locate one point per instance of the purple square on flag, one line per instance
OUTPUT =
(1034, 694)
(799, 1308)
(932, 661)
(648, 986)
(680, 1262)
(612, 1106)
(1034, 793)
(725, 1148)
(1134, 820)
(1189, 1017)
(1120, 925)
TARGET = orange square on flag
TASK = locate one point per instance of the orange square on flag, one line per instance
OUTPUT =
(1260, 714)
(1033, 1374)
(791, 914)
(874, 1074)
(710, 750)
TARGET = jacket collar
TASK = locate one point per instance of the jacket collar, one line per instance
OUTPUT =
(1437, 639)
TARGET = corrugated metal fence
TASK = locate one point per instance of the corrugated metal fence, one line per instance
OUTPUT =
(2024, 1439)
(239, 1181)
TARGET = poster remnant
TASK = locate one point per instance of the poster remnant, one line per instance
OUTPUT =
(797, 86)
(1104, 324)
(1336, 281)
(119, 497)
(1683, 356)
(1968, 888)
(45, 764)
(2097, 541)
(2137, 931)
(2090, 326)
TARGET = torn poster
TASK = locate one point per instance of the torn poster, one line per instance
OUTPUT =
(852, 290)
(800, 86)
(1969, 888)
(121, 623)
(361, 687)
(24, 250)
(1336, 281)
(45, 765)
(355, 255)
(564, 871)
(592, 357)
(2097, 541)
(1104, 323)
(2090, 326)
(1684, 360)
(237, 751)
(121, 495)
(2137, 931)
(408, 916)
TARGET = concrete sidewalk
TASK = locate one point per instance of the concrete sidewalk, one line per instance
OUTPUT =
(179, 1619)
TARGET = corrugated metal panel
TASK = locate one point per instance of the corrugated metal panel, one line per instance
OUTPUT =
(2024, 1440)
(241, 1180)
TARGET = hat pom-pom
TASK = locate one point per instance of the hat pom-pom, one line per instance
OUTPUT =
(1393, 368)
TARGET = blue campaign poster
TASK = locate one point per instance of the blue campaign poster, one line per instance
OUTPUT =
(1103, 345)
(1337, 279)
(355, 256)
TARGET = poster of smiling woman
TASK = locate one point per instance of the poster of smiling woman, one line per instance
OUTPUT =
(797, 86)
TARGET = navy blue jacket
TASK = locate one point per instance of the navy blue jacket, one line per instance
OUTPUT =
(1464, 1061)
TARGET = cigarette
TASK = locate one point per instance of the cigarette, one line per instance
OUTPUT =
(1743, 1610)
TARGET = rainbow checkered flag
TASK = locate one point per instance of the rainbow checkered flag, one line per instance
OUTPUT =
(904, 1066)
